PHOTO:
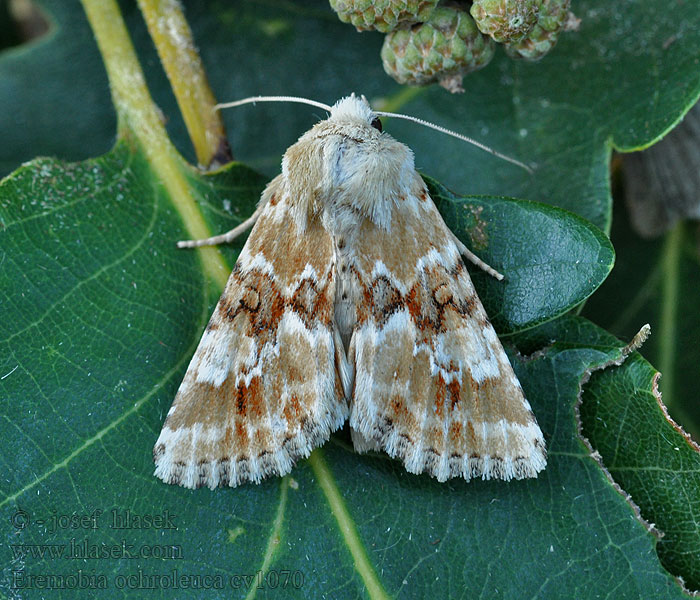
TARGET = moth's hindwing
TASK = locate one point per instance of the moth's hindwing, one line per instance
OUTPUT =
(433, 385)
(262, 389)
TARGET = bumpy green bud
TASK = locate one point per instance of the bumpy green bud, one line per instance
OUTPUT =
(382, 15)
(444, 49)
(554, 17)
(506, 21)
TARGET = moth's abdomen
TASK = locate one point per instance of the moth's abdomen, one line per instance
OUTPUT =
(346, 290)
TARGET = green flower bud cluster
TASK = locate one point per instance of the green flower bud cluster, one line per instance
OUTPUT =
(426, 43)
(506, 21)
(444, 49)
(553, 18)
(382, 15)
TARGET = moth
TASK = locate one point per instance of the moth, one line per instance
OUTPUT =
(349, 300)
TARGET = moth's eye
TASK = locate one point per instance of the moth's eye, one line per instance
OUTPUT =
(376, 123)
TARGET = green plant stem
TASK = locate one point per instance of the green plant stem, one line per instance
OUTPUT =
(172, 37)
(347, 525)
(669, 312)
(138, 118)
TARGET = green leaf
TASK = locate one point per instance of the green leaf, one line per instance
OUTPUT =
(9, 31)
(56, 92)
(100, 314)
(659, 283)
(107, 316)
(650, 457)
(552, 259)
(644, 452)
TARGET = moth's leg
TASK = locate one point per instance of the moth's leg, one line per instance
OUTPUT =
(227, 237)
(466, 252)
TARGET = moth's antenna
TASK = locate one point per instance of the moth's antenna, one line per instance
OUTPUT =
(459, 136)
(300, 100)
(254, 99)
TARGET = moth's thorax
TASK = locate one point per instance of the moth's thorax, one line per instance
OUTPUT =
(343, 166)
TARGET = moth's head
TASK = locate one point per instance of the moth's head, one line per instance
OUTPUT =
(355, 110)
